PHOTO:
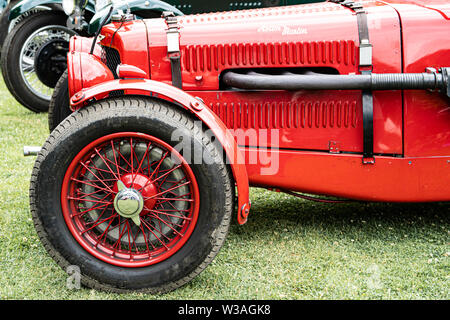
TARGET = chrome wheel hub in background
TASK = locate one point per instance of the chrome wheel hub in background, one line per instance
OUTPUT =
(29, 52)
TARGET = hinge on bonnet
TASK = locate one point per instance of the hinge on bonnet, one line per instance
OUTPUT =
(173, 47)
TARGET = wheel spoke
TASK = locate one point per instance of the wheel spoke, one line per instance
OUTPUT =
(167, 173)
(28, 54)
(169, 215)
(165, 222)
(115, 158)
(79, 214)
(87, 168)
(140, 164)
(173, 188)
(97, 224)
(104, 161)
(149, 228)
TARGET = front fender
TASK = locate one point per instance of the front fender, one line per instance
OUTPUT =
(135, 6)
(26, 5)
(190, 103)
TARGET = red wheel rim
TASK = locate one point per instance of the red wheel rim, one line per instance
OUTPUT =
(148, 166)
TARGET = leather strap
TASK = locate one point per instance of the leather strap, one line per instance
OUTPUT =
(365, 67)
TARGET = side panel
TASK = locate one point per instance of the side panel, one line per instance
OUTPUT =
(427, 114)
(307, 120)
(390, 179)
(277, 38)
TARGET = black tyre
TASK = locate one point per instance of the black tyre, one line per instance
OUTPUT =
(4, 21)
(82, 162)
(59, 107)
(34, 57)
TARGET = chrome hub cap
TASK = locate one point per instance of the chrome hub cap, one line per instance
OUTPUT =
(128, 203)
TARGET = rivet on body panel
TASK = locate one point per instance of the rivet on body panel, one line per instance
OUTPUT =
(196, 105)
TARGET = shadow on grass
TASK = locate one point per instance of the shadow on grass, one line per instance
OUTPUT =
(274, 211)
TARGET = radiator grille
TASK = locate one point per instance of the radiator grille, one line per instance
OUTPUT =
(111, 58)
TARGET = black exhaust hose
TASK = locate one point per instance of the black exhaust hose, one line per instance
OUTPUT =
(314, 81)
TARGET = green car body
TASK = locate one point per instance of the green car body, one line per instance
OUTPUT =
(3, 4)
(180, 7)
(141, 8)
(27, 5)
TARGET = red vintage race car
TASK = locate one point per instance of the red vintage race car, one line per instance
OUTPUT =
(176, 117)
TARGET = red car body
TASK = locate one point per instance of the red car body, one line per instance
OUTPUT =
(319, 132)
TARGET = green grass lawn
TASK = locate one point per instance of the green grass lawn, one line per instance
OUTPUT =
(289, 249)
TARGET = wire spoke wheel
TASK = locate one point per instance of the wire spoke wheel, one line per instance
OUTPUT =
(99, 208)
(29, 52)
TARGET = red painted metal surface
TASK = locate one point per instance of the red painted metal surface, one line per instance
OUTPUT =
(318, 134)
(90, 215)
(426, 114)
(309, 120)
(325, 36)
(420, 179)
(126, 71)
(86, 71)
(82, 44)
(133, 47)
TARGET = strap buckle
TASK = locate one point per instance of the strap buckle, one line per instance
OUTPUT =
(173, 47)
(173, 34)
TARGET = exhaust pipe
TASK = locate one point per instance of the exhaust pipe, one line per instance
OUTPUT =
(31, 151)
(314, 81)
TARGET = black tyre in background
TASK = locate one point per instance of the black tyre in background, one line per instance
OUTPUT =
(59, 107)
(4, 21)
(34, 58)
